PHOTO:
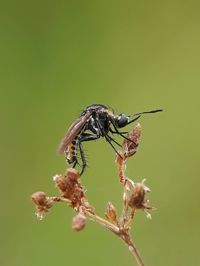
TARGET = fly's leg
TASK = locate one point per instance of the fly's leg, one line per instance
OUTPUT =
(75, 163)
(109, 141)
(82, 158)
(85, 137)
(107, 137)
(115, 132)
(88, 137)
(114, 140)
(119, 133)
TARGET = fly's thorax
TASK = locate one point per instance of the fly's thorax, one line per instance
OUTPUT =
(94, 108)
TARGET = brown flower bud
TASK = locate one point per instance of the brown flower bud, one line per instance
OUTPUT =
(79, 222)
(111, 213)
(130, 146)
(39, 198)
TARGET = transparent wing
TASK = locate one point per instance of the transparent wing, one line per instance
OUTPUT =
(72, 132)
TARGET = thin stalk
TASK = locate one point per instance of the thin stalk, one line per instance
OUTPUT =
(131, 246)
(103, 222)
(124, 235)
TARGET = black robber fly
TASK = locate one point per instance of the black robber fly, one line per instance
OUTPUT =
(95, 121)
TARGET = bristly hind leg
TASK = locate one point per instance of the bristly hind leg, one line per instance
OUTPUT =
(75, 163)
(85, 137)
(84, 164)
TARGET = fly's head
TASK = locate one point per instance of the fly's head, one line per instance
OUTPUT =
(121, 120)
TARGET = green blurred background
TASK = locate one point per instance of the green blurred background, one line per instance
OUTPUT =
(58, 57)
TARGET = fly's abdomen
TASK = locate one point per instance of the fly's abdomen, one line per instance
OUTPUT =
(71, 151)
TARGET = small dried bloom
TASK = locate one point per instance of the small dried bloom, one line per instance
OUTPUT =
(39, 198)
(137, 198)
(79, 222)
(72, 174)
(130, 146)
(61, 182)
(111, 213)
(70, 187)
(42, 203)
(65, 183)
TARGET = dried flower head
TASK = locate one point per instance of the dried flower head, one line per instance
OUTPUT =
(42, 203)
(70, 187)
(137, 198)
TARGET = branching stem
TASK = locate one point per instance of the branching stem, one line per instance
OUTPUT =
(122, 231)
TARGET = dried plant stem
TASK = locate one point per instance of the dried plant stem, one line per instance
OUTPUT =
(125, 202)
(131, 246)
(103, 222)
(128, 223)
(122, 233)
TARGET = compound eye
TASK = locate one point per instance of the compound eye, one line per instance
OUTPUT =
(122, 120)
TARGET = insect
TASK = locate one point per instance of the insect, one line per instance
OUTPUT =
(96, 121)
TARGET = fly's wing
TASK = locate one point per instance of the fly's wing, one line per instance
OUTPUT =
(72, 132)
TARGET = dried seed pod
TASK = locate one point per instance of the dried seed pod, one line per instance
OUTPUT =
(79, 222)
(111, 213)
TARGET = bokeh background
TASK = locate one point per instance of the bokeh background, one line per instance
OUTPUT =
(58, 57)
